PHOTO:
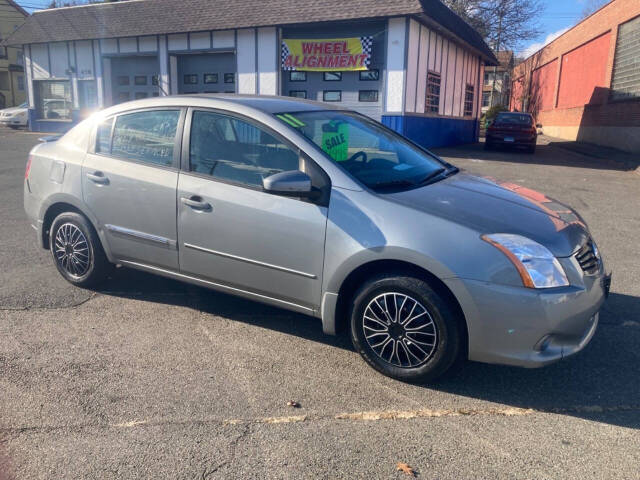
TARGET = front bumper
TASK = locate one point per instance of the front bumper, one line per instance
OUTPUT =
(525, 327)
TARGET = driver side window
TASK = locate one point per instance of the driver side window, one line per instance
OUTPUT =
(233, 150)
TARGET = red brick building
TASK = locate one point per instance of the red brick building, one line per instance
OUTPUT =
(585, 85)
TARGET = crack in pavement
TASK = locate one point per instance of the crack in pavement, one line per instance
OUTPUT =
(350, 416)
(65, 307)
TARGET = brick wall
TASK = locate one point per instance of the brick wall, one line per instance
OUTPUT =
(580, 87)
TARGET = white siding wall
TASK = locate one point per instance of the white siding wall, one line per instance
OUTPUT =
(100, 89)
(429, 51)
(40, 60)
(29, 77)
(163, 59)
(246, 57)
(84, 56)
(268, 61)
(396, 44)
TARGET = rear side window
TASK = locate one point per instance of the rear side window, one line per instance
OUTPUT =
(146, 136)
(513, 119)
(231, 149)
(103, 137)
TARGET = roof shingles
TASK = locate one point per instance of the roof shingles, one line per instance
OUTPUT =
(153, 17)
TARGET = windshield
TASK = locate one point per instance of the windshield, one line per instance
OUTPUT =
(374, 155)
(513, 119)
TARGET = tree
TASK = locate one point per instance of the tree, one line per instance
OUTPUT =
(504, 24)
(590, 6)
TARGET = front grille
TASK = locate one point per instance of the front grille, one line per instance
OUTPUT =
(587, 258)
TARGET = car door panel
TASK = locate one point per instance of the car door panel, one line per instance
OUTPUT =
(129, 183)
(252, 240)
(237, 234)
(136, 208)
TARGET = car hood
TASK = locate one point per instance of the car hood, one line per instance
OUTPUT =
(489, 206)
(13, 110)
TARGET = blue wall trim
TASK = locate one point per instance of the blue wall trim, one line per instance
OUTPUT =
(52, 126)
(431, 132)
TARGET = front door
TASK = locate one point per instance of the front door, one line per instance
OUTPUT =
(234, 233)
(129, 183)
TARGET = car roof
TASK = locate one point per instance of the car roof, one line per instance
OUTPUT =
(264, 103)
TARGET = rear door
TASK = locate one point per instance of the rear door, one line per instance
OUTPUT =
(234, 233)
(129, 182)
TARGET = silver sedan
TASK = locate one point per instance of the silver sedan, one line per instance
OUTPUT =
(324, 212)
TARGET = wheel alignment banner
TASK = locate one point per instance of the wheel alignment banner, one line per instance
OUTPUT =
(327, 54)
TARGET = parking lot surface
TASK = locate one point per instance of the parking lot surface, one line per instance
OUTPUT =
(150, 378)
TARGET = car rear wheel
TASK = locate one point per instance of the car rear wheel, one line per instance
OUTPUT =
(404, 329)
(77, 251)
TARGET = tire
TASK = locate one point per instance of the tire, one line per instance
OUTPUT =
(436, 322)
(488, 146)
(531, 149)
(82, 262)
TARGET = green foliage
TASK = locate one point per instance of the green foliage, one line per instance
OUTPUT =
(491, 114)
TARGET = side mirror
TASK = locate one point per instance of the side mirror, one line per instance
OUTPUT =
(292, 183)
(538, 125)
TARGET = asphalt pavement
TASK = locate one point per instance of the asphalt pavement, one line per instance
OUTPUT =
(150, 378)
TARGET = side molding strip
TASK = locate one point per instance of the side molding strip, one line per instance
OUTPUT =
(142, 236)
(219, 286)
(248, 260)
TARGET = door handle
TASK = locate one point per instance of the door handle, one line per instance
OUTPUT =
(196, 203)
(98, 177)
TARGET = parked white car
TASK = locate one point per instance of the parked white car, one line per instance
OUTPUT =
(15, 117)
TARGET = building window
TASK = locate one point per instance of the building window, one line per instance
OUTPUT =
(147, 137)
(370, 75)
(433, 92)
(297, 76)
(123, 80)
(140, 80)
(190, 79)
(332, 76)
(123, 97)
(625, 84)
(4, 80)
(20, 82)
(298, 93)
(140, 95)
(468, 100)
(210, 78)
(368, 96)
(53, 99)
(486, 98)
(332, 95)
(229, 78)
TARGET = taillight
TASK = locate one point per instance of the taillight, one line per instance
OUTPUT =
(28, 169)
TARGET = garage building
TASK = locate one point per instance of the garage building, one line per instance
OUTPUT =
(412, 64)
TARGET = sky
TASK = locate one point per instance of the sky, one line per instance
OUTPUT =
(559, 16)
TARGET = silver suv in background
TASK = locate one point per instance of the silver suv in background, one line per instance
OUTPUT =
(324, 212)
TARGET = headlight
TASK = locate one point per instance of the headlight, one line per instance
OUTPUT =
(536, 265)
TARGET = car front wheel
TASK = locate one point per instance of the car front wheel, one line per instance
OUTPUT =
(404, 329)
(77, 251)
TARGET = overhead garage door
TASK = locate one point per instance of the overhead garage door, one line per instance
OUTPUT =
(207, 73)
(133, 78)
